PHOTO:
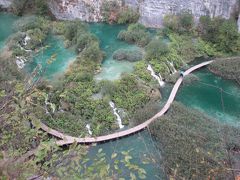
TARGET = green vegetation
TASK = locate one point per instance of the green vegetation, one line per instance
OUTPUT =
(128, 55)
(227, 68)
(223, 34)
(211, 38)
(127, 16)
(194, 146)
(136, 33)
(126, 93)
(181, 23)
(156, 49)
(39, 7)
(36, 29)
(77, 36)
(67, 105)
(114, 13)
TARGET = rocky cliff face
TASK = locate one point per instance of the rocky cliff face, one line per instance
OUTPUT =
(86, 10)
(5, 3)
(151, 11)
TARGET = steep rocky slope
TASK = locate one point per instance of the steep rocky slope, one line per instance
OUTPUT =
(151, 11)
(5, 3)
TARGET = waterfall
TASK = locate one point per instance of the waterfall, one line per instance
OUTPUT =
(89, 129)
(26, 39)
(52, 106)
(20, 61)
(119, 120)
(158, 78)
(173, 71)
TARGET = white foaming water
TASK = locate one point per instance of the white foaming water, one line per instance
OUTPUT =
(119, 120)
(26, 39)
(20, 61)
(173, 71)
(89, 129)
(53, 107)
(158, 78)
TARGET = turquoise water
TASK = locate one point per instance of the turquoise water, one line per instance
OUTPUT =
(205, 95)
(54, 46)
(142, 150)
(107, 34)
(6, 26)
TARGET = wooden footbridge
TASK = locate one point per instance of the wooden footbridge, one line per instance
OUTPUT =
(66, 139)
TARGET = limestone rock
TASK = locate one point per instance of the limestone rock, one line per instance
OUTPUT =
(5, 3)
(151, 11)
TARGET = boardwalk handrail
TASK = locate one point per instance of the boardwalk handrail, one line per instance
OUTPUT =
(66, 139)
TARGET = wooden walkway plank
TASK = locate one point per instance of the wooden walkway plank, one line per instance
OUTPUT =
(66, 139)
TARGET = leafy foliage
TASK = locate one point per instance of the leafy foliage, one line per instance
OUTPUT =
(227, 68)
(181, 23)
(83, 41)
(136, 33)
(113, 12)
(127, 16)
(126, 93)
(39, 7)
(192, 145)
(222, 33)
(156, 49)
(131, 55)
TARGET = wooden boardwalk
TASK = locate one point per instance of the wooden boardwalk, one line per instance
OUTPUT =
(66, 139)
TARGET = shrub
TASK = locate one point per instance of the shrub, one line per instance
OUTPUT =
(93, 52)
(182, 23)
(227, 68)
(186, 22)
(143, 114)
(18, 6)
(114, 13)
(205, 48)
(192, 144)
(128, 55)
(39, 7)
(156, 49)
(136, 33)
(222, 33)
(110, 10)
(83, 41)
(127, 15)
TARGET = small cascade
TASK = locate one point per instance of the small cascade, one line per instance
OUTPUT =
(26, 39)
(52, 106)
(89, 129)
(119, 120)
(20, 61)
(158, 78)
(173, 71)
